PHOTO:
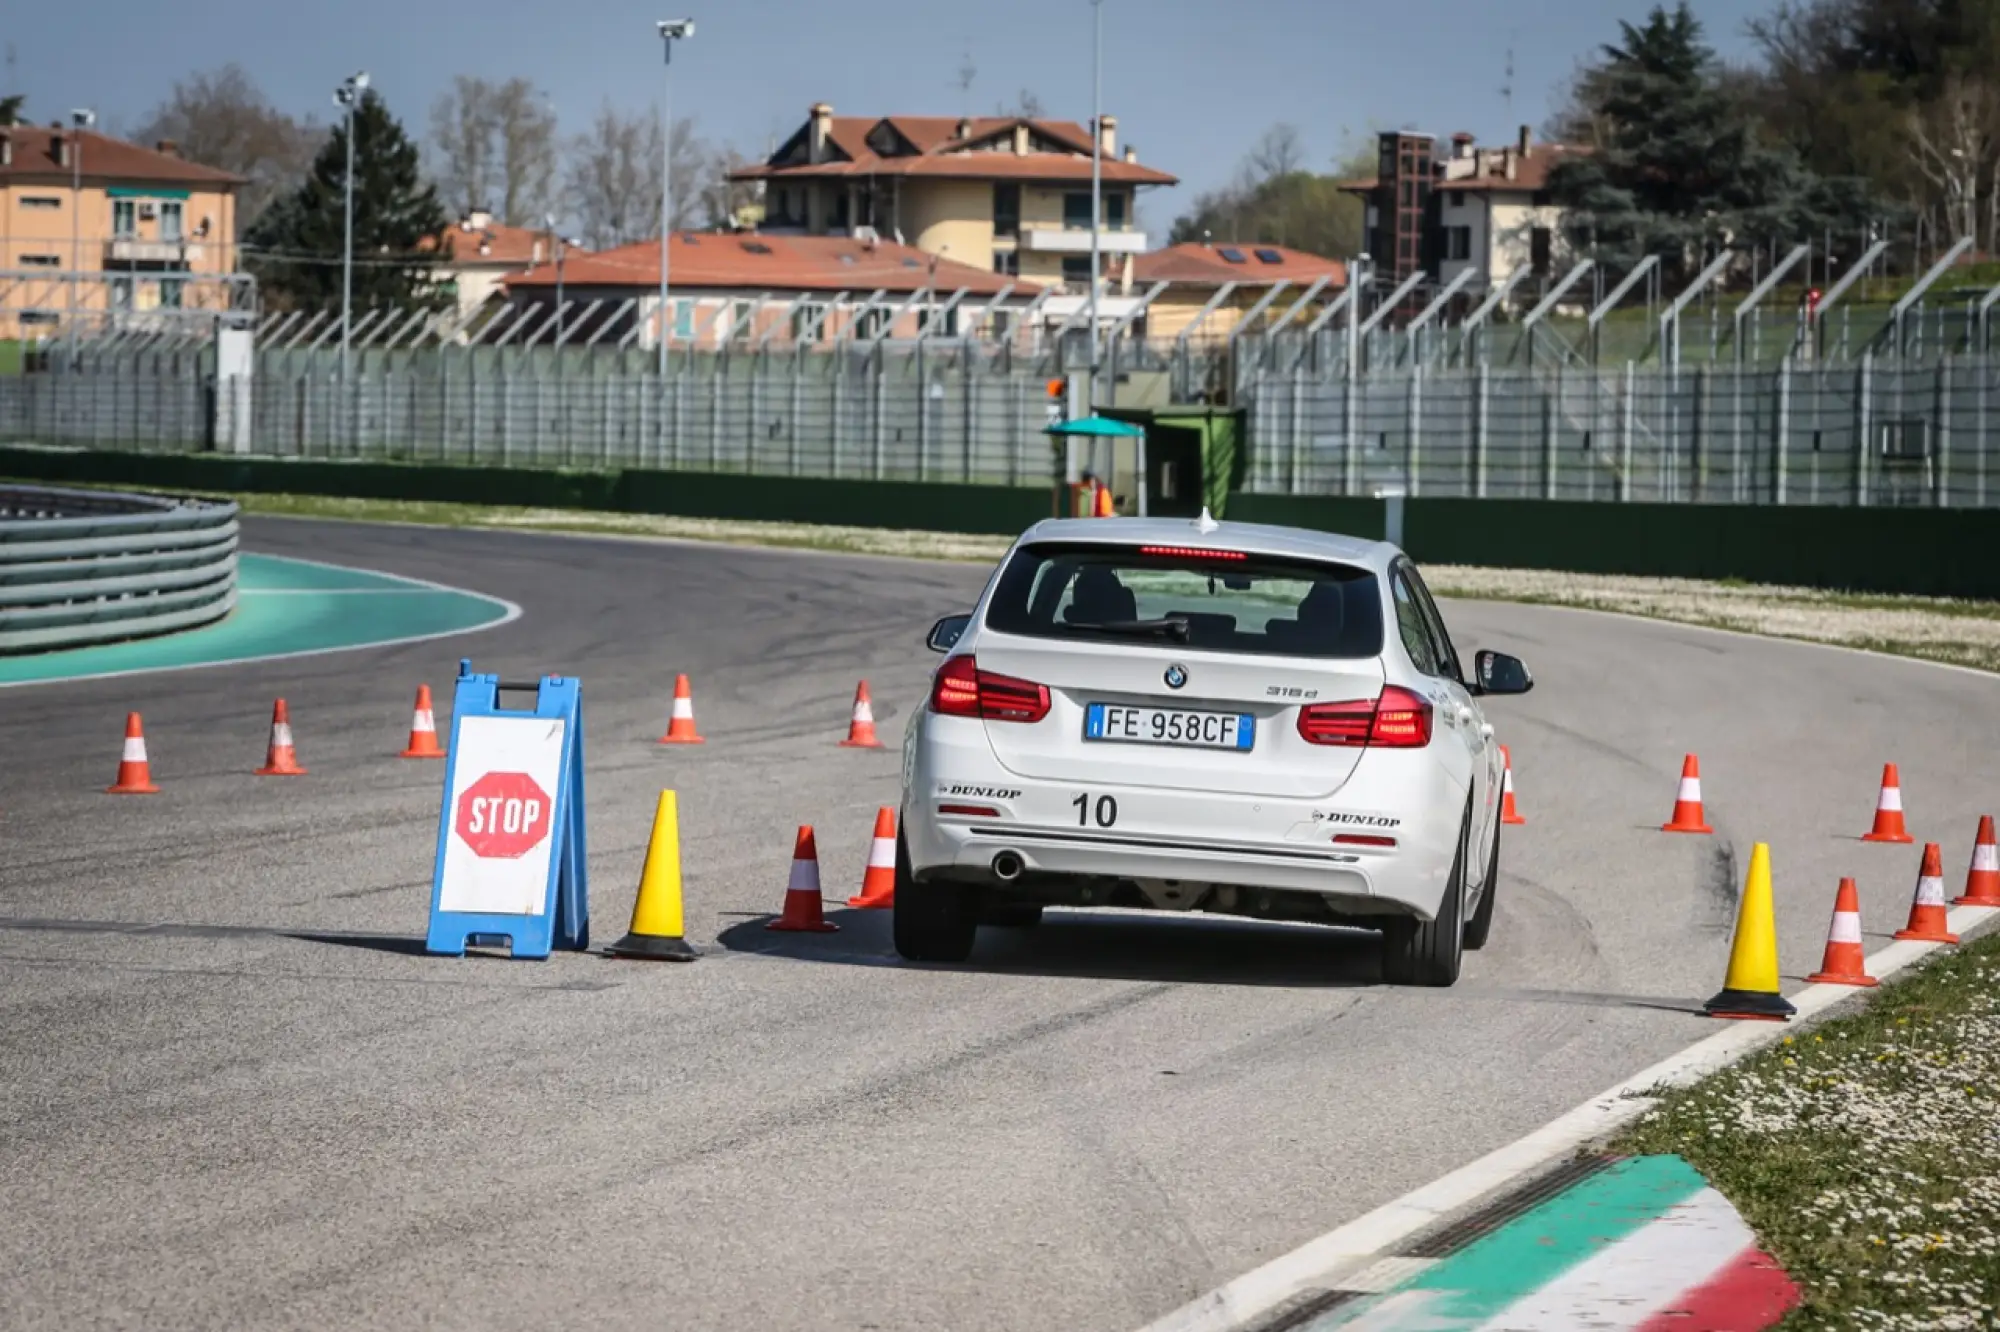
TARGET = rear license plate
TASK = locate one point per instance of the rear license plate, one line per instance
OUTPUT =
(1169, 726)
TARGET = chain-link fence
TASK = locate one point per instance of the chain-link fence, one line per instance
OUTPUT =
(1869, 432)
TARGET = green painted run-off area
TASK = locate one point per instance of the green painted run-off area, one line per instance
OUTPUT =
(284, 607)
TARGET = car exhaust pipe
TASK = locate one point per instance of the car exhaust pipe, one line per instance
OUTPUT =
(1007, 866)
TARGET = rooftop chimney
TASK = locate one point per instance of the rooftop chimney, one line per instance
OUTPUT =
(964, 128)
(1131, 153)
(1461, 145)
(1021, 140)
(59, 148)
(822, 126)
(6, 148)
(1107, 135)
(478, 220)
(169, 147)
(1526, 143)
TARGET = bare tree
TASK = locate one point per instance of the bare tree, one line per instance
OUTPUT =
(1026, 105)
(724, 201)
(1280, 152)
(612, 187)
(494, 148)
(221, 118)
(1952, 142)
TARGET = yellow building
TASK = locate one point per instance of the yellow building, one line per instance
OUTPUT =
(92, 226)
(1008, 194)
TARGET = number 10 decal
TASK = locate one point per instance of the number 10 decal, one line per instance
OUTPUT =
(1105, 811)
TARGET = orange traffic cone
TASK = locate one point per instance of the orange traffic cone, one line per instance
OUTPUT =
(1508, 813)
(423, 729)
(1688, 816)
(1982, 881)
(281, 760)
(680, 728)
(1844, 963)
(135, 775)
(1927, 920)
(861, 730)
(801, 911)
(878, 883)
(1889, 810)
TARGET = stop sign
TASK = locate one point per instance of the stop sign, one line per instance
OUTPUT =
(503, 816)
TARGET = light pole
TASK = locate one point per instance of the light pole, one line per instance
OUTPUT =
(348, 97)
(1096, 174)
(81, 118)
(671, 30)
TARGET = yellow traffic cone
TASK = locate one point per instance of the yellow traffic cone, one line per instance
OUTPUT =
(656, 917)
(1750, 989)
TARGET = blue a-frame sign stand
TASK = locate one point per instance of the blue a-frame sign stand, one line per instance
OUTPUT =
(564, 920)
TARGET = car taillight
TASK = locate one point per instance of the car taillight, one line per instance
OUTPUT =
(961, 689)
(1398, 719)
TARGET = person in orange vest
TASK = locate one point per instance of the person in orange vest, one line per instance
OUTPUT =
(1098, 497)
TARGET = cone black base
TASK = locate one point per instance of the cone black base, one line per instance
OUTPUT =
(1749, 1004)
(654, 948)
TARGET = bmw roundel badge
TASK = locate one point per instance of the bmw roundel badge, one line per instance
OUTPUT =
(1176, 676)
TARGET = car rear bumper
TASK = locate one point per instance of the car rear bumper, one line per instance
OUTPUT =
(963, 811)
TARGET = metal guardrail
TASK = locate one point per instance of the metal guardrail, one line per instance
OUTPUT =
(79, 567)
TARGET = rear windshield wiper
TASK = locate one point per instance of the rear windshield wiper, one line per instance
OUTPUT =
(1172, 626)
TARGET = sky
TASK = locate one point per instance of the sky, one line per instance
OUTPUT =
(1193, 85)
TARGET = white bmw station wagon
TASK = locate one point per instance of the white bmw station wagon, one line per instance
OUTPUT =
(1180, 715)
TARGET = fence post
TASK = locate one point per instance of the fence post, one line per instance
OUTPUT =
(1414, 426)
(1781, 452)
(969, 389)
(876, 391)
(1482, 424)
(1549, 401)
(1017, 455)
(1351, 425)
(923, 415)
(1298, 448)
(1941, 479)
(1700, 441)
(1864, 377)
(797, 408)
(1625, 410)
(1982, 371)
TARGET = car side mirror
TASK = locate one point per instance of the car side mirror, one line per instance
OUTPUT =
(1498, 673)
(945, 633)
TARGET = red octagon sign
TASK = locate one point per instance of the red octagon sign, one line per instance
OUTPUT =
(503, 816)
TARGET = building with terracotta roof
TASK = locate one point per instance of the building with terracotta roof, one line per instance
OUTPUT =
(1009, 194)
(482, 252)
(793, 288)
(1235, 278)
(140, 228)
(1483, 208)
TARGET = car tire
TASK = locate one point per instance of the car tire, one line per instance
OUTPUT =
(1481, 923)
(1012, 915)
(932, 922)
(1416, 952)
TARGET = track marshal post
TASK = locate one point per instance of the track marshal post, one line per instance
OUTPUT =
(511, 860)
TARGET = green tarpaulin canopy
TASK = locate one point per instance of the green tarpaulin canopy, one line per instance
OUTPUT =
(1097, 427)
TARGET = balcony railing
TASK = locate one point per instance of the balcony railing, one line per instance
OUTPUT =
(1043, 238)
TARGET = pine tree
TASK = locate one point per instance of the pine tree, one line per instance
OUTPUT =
(296, 245)
(1680, 168)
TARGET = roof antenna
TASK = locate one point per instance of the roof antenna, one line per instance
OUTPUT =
(967, 72)
(1507, 88)
(1205, 523)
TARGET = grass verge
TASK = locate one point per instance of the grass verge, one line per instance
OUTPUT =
(1866, 1152)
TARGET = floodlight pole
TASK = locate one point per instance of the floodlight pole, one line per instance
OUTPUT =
(670, 30)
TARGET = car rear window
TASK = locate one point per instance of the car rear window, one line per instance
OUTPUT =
(1231, 602)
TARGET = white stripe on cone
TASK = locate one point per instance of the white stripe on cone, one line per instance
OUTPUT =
(281, 734)
(1892, 798)
(1846, 928)
(881, 854)
(1986, 857)
(1930, 892)
(1690, 790)
(683, 709)
(1507, 778)
(862, 712)
(805, 877)
(135, 749)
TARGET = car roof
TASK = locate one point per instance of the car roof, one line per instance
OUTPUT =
(1251, 538)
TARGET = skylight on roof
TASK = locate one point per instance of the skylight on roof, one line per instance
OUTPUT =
(1234, 256)
(846, 258)
(909, 263)
(689, 239)
(756, 247)
(1270, 257)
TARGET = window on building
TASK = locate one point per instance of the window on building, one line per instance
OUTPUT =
(1006, 209)
(1076, 268)
(1114, 211)
(1007, 262)
(43, 202)
(683, 319)
(1458, 198)
(1541, 249)
(1076, 211)
(170, 220)
(121, 293)
(170, 293)
(124, 218)
(41, 261)
(1458, 242)
(804, 320)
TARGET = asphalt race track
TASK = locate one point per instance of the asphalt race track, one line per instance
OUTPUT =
(234, 1093)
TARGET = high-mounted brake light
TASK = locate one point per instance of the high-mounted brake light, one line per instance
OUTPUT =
(961, 689)
(1398, 719)
(1192, 553)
